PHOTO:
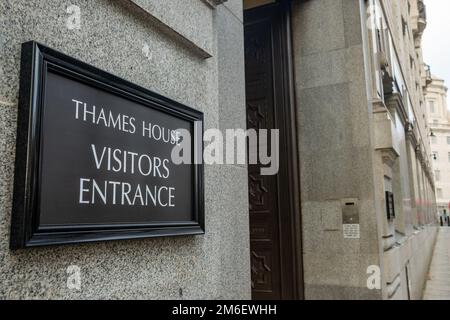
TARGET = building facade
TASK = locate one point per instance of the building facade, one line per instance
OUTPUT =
(439, 123)
(351, 213)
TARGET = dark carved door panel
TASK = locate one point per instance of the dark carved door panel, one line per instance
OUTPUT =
(274, 266)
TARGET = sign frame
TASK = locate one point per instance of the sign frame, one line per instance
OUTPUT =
(36, 61)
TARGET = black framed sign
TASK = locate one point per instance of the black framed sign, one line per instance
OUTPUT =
(93, 158)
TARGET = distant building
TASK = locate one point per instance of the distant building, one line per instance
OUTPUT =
(439, 122)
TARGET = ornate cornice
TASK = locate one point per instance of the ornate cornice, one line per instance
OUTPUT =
(395, 100)
(410, 135)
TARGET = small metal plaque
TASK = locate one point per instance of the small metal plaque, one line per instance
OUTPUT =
(350, 219)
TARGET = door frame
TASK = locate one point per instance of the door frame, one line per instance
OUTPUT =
(288, 116)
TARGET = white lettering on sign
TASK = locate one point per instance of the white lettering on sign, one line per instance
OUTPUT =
(122, 122)
(115, 160)
(125, 194)
(118, 160)
(351, 231)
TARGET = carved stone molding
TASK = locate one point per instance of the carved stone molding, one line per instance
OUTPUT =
(389, 156)
(411, 135)
(395, 101)
(385, 140)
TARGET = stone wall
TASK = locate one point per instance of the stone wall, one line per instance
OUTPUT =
(336, 149)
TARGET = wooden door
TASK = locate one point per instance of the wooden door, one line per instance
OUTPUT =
(274, 200)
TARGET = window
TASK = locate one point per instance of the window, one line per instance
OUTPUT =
(435, 155)
(434, 140)
(439, 193)
(437, 175)
(432, 107)
(448, 140)
(435, 122)
(449, 157)
(404, 26)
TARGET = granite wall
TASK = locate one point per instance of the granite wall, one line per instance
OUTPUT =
(191, 52)
(336, 149)
(350, 151)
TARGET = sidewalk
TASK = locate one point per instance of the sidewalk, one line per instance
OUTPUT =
(438, 284)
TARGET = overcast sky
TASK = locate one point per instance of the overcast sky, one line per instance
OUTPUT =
(436, 40)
